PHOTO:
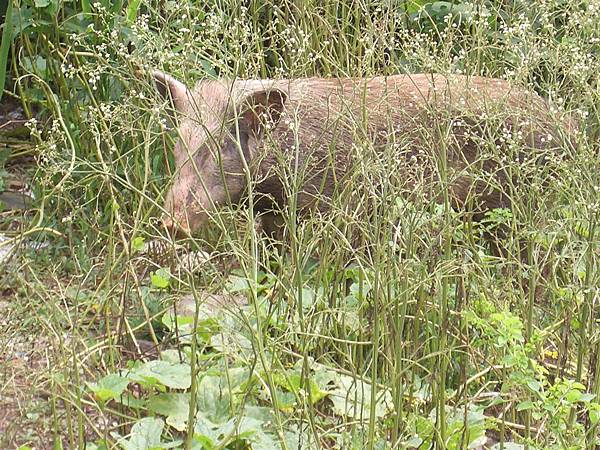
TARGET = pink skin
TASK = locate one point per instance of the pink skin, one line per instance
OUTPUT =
(209, 154)
(187, 202)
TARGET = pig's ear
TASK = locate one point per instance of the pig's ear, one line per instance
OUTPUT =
(261, 108)
(172, 89)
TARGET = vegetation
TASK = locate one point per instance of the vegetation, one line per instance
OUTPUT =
(427, 339)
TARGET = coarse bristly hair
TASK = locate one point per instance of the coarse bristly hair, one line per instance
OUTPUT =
(322, 122)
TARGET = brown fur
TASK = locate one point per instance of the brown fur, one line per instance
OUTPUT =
(420, 123)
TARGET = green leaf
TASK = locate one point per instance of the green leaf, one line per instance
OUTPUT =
(145, 434)
(264, 441)
(594, 409)
(5, 44)
(174, 376)
(204, 70)
(36, 65)
(130, 401)
(523, 406)
(161, 278)
(205, 432)
(21, 19)
(587, 397)
(109, 387)
(352, 398)
(207, 328)
(508, 446)
(292, 381)
(286, 401)
(573, 396)
(308, 298)
(237, 284)
(534, 385)
(50, 7)
(261, 413)
(132, 10)
(174, 406)
(244, 428)
(415, 442)
(218, 393)
(138, 244)
(98, 445)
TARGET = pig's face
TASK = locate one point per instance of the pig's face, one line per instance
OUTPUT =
(219, 130)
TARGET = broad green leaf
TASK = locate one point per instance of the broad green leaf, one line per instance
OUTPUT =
(161, 278)
(352, 398)
(213, 399)
(286, 401)
(308, 298)
(237, 284)
(204, 70)
(174, 406)
(261, 413)
(415, 442)
(217, 393)
(98, 445)
(109, 387)
(231, 340)
(523, 406)
(508, 446)
(168, 320)
(244, 428)
(145, 434)
(171, 355)
(37, 65)
(205, 432)
(138, 244)
(207, 327)
(130, 401)
(264, 441)
(534, 385)
(573, 396)
(292, 381)
(594, 409)
(174, 376)
(424, 427)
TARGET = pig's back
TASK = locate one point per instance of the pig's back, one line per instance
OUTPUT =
(333, 122)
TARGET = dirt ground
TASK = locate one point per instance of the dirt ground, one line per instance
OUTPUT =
(24, 410)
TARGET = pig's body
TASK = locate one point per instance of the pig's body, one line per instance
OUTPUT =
(428, 129)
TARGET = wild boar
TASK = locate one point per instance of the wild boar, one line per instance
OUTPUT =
(466, 139)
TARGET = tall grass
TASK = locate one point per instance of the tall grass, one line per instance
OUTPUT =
(5, 44)
(421, 335)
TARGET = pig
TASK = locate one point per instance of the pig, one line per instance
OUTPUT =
(444, 136)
